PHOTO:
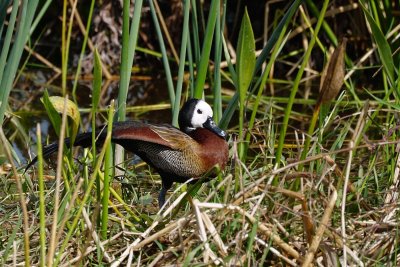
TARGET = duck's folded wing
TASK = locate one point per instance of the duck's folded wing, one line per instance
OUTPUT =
(175, 138)
(165, 135)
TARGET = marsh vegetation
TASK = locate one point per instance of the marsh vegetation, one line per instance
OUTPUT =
(308, 92)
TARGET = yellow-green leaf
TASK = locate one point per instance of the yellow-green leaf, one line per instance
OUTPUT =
(71, 109)
(56, 103)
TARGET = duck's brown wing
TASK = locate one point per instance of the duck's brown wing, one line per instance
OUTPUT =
(175, 138)
(160, 134)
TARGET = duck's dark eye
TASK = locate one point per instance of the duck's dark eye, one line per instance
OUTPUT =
(199, 111)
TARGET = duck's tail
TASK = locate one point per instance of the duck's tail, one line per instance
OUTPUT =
(83, 140)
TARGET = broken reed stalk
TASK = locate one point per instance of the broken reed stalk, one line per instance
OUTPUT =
(321, 229)
(332, 79)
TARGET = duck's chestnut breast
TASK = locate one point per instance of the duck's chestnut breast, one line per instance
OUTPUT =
(211, 149)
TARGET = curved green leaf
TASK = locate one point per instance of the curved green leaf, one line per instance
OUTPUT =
(54, 117)
(245, 64)
(55, 105)
(246, 57)
(383, 46)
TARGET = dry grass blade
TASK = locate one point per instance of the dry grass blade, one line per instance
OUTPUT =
(276, 252)
(214, 233)
(95, 236)
(90, 250)
(346, 8)
(78, 18)
(226, 182)
(320, 230)
(208, 253)
(156, 260)
(356, 134)
(22, 199)
(68, 210)
(269, 234)
(305, 214)
(166, 32)
(42, 59)
(137, 245)
(145, 239)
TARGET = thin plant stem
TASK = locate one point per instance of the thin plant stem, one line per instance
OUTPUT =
(85, 40)
(52, 246)
(129, 40)
(21, 195)
(182, 56)
(296, 83)
(42, 209)
(84, 200)
(64, 61)
(168, 75)
(206, 50)
(108, 173)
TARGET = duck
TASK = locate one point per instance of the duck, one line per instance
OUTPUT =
(177, 154)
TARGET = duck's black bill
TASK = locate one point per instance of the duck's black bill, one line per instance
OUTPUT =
(212, 126)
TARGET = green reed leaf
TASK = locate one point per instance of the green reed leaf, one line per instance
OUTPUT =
(384, 49)
(246, 57)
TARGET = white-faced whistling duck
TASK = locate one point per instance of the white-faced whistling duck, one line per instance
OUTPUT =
(176, 154)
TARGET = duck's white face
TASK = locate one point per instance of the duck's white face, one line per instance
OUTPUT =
(201, 113)
(195, 114)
